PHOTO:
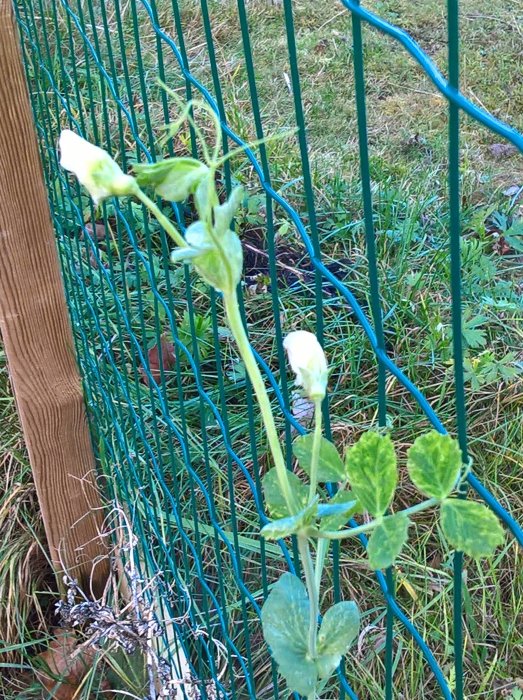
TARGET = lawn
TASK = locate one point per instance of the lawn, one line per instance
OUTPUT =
(408, 158)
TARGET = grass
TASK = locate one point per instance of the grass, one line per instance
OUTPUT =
(25, 575)
(407, 137)
(407, 116)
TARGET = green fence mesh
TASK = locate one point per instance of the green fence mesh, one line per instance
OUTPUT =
(177, 436)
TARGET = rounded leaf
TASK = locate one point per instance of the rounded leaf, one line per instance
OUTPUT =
(371, 467)
(330, 465)
(274, 498)
(387, 541)
(285, 622)
(471, 527)
(434, 464)
(339, 628)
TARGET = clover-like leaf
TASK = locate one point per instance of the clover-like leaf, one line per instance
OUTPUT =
(274, 498)
(337, 511)
(285, 622)
(371, 467)
(387, 540)
(173, 179)
(330, 464)
(338, 630)
(434, 463)
(283, 527)
(471, 527)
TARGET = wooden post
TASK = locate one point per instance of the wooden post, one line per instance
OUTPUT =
(36, 333)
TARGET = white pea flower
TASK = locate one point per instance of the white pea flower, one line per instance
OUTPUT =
(308, 361)
(94, 168)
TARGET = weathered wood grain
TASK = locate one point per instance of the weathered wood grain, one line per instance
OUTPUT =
(36, 333)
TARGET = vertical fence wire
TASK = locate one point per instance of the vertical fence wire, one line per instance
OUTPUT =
(179, 441)
(457, 341)
(375, 300)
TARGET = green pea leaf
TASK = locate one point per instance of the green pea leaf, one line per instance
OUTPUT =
(274, 498)
(337, 511)
(471, 527)
(330, 465)
(371, 466)
(220, 267)
(173, 179)
(284, 527)
(387, 540)
(205, 197)
(285, 622)
(434, 463)
(338, 630)
(224, 213)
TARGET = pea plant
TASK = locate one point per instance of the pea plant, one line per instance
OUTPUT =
(306, 650)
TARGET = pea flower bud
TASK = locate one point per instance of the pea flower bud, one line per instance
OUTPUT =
(94, 168)
(309, 363)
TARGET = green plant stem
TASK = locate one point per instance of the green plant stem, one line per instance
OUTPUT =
(167, 225)
(217, 240)
(187, 113)
(312, 590)
(236, 325)
(316, 444)
(355, 531)
(321, 553)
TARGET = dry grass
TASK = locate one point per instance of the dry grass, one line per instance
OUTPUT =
(26, 579)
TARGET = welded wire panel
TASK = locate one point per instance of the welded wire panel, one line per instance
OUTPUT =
(179, 440)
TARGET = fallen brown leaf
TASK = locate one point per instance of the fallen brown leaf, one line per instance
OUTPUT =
(96, 232)
(61, 671)
(166, 352)
(501, 247)
(93, 260)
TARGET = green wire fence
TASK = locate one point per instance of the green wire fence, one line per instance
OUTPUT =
(179, 443)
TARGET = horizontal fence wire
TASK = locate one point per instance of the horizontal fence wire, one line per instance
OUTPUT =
(178, 438)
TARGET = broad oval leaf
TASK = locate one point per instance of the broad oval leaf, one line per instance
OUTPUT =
(434, 463)
(285, 622)
(274, 498)
(371, 466)
(338, 630)
(284, 527)
(471, 527)
(330, 465)
(337, 511)
(387, 540)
